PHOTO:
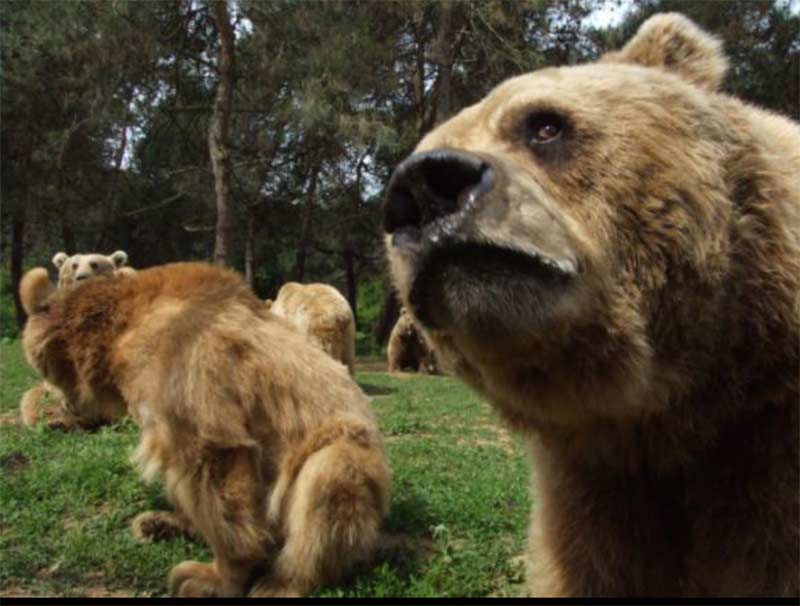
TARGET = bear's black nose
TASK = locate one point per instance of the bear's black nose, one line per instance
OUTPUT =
(434, 184)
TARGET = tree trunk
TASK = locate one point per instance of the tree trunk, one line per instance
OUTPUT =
(348, 246)
(248, 249)
(446, 48)
(218, 130)
(389, 315)
(67, 233)
(352, 284)
(424, 110)
(109, 211)
(444, 58)
(308, 212)
(17, 255)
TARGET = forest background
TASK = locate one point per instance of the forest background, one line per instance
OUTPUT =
(260, 134)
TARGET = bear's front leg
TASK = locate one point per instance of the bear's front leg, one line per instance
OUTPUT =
(597, 532)
(192, 579)
(161, 526)
(223, 501)
(745, 500)
(221, 578)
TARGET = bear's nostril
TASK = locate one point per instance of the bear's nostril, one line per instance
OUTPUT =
(448, 180)
(401, 210)
(431, 185)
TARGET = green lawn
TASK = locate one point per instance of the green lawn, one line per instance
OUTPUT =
(459, 514)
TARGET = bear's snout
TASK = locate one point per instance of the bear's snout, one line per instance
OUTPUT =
(432, 185)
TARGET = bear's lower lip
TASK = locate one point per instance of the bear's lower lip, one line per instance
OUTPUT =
(487, 289)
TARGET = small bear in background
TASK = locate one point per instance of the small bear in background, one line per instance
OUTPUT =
(89, 265)
(45, 402)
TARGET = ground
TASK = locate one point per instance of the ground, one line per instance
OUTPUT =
(459, 513)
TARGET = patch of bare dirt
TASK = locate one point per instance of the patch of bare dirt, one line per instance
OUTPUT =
(375, 365)
(70, 524)
(15, 591)
(502, 438)
(102, 592)
(45, 573)
(511, 584)
(6, 420)
(380, 365)
(14, 462)
(95, 587)
(93, 590)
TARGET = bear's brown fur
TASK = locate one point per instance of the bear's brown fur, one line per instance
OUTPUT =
(407, 349)
(266, 446)
(610, 253)
(320, 312)
(44, 402)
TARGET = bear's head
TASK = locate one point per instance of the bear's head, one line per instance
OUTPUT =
(72, 270)
(566, 242)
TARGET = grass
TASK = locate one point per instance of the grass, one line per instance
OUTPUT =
(459, 513)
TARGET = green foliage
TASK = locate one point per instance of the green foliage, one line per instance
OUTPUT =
(459, 509)
(8, 317)
(760, 37)
(106, 105)
(370, 302)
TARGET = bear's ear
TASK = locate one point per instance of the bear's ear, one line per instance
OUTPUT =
(34, 288)
(59, 259)
(675, 44)
(119, 258)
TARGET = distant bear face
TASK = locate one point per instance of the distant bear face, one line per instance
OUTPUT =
(545, 236)
(76, 268)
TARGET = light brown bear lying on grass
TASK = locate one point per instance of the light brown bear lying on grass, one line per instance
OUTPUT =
(43, 402)
(266, 446)
(407, 349)
(610, 253)
(320, 312)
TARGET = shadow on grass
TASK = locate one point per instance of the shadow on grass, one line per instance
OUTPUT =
(156, 499)
(14, 461)
(408, 535)
(376, 390)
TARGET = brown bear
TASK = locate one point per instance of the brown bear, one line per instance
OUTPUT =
(320, 312)
(44, 402)
(407, 349)
(610, 253)
(89, 265)
(266, 446)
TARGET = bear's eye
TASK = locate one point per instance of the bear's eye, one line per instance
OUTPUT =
(74, 266)
(544, 127)
(93, 265)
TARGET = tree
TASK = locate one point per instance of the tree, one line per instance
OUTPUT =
(63, 100)
(261, 134)
(219, 128)
(760, 37)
